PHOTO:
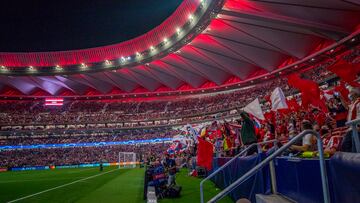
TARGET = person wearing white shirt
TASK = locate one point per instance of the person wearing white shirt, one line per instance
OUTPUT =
(347, 144)
(308, 141)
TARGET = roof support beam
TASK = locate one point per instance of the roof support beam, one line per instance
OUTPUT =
(328, 30)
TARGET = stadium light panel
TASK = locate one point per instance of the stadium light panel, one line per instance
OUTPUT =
(54, 101)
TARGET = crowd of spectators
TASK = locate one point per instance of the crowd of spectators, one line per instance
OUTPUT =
(85, 137)
(74, 156)
(27, 112)
(125, 114)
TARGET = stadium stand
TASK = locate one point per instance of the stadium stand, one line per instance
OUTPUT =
(74, 156)
(230, 102)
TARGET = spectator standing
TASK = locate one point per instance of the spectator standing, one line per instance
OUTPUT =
(347, 144)
(247, 132)
(170, 166)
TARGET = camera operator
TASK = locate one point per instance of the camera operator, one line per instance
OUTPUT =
(170, 165)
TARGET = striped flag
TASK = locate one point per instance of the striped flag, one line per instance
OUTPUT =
(278, 100)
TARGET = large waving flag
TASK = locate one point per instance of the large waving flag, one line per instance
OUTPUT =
(254, 109)
(205, 153)
(278, 99)
(347, 72)
(310, 92)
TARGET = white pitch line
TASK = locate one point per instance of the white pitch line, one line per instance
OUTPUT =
(60, 186)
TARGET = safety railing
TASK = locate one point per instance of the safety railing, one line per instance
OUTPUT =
(355, 135)
(230, 161)
(246, 176)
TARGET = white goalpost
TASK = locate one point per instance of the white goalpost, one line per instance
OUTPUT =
(127, 160)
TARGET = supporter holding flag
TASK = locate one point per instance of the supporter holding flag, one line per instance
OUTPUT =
(228, 139)
(247, 132)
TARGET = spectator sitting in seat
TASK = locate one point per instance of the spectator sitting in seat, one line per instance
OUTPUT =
(308, 141)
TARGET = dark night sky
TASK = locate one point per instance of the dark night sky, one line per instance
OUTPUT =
(53, 25)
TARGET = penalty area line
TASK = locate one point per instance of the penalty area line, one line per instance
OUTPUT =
(60, 186)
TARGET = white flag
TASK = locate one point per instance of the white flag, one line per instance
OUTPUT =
(278, 99)
(254, 109)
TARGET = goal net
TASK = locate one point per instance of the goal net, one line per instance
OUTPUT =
(127, 160)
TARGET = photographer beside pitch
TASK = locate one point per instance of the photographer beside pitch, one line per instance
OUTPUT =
(170, 166)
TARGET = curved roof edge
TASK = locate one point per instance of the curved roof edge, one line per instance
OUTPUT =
(97, 54)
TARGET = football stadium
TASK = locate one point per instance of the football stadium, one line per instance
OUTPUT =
(180, 101)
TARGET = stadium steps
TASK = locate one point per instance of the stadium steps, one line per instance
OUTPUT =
(273, 198)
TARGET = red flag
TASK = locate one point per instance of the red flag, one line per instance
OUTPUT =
(205, 154)
(347, 72)
(310, 92)
(295, 81)
(293, 105)
(322, 105)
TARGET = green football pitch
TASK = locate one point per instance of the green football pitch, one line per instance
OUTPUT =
(89, 185)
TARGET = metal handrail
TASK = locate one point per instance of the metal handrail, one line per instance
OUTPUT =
(228, 163)
(355, 134)
(324, 179)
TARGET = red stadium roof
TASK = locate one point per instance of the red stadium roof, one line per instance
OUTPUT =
(219, 43)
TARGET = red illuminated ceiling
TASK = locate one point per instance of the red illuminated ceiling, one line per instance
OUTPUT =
(247, 39)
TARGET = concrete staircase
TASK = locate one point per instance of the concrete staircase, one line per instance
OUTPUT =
(273, 198)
